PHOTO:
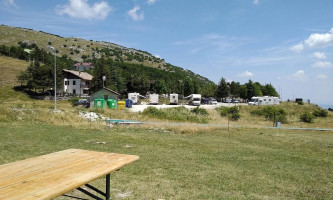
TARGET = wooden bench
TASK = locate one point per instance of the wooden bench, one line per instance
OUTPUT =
(52, 175)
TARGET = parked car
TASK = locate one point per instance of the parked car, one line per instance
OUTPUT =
(212, 101)
(82, 102)
(235, 101)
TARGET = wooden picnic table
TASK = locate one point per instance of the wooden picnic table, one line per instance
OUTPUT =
(52, 175)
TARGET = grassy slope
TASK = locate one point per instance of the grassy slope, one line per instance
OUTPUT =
(10, 36)
(9, 69)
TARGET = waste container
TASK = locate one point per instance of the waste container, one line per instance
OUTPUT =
(111, 103)
(129, 103)
(99, 103)
(278, 125)
(121, 104)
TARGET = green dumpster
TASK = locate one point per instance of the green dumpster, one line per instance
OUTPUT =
(111, 103)
(99, 103)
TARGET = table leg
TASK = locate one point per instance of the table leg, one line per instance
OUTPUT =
(107, 189)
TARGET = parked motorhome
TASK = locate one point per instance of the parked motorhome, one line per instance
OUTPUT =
(195, 99)
(173, 98)
(153, 98)
(135, 97)
(265, 100)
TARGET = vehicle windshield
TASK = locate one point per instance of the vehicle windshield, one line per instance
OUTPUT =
(253, 100)
(196, 99)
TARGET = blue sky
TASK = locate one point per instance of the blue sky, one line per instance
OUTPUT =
(288, 43)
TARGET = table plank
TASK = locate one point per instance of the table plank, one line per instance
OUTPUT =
(49, 176)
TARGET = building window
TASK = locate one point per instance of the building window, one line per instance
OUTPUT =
(74, 83)
(66, 82)
(74, 91)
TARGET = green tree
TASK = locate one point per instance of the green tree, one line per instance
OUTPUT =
(250, 89)
(243, 92)
(222, 89)
(235, 89)
(257, 89)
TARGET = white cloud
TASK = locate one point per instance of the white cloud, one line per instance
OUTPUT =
(320, 40)
(245, 74)
(315, 40)
(319, 55)
(297, 48)
(82, 10)
(321, 76)
(135, 15)
(299, 75)
(151, 2)
(256, 2)
(9, 3)
(323, 64)
(157, 56)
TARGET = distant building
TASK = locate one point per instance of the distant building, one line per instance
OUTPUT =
(76, 83)
(83, 66)
(104, 93)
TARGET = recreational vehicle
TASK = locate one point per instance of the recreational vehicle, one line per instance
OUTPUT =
(265, 100)
(195, 99)
(173, 98)
(135, 97)
(153, 98)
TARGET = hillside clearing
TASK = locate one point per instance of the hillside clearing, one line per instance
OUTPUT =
(9, 69)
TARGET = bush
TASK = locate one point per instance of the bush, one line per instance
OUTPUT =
(320, 113)
(235, 116)
(300, 103)
(73, 100)
(271, 113)
(307, 117)
(199, 111)
(176, 114)
(232, 112)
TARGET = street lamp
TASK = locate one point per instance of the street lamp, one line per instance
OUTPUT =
(55, 77)
(104, 78)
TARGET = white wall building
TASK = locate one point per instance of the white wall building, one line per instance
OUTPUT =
(76, 83)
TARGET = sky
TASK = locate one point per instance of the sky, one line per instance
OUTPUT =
(288, 43)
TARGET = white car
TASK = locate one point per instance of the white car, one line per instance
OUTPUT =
(212, 101)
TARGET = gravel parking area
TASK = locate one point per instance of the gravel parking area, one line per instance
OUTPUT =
(141, 107)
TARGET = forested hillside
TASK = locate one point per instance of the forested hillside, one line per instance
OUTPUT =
(126, 69)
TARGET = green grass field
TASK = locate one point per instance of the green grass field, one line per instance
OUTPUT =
(241, 164)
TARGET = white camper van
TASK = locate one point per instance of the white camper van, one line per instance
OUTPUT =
(135, 97)
(153, 99)
(195, 99)
(265, 100)
(173, 98)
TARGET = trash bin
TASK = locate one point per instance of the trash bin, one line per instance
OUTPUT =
(121, 104)
(278, 124)
(111, 103)
(129, 103)
(99, 103)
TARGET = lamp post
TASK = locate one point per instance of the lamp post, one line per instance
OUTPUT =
(104, 78)
(55, 77)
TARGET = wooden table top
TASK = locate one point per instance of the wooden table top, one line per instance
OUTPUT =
(51, 175)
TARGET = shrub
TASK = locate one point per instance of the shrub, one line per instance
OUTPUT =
(271, 113)
(73, 100)
(199, 111)
(235, 116)
(307, 117)
(231, 112)
(300, 103)
(320, 113)
(175, 114)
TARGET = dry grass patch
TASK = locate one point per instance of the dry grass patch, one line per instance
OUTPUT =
(9, 69)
